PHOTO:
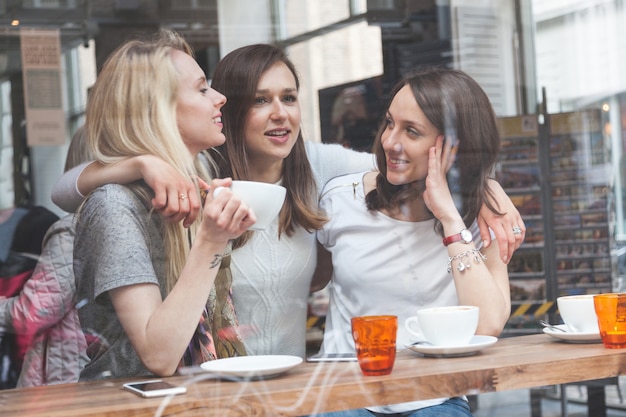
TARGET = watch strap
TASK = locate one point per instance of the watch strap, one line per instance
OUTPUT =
(459, 237)
(451, 239)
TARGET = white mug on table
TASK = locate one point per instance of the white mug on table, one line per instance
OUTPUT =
(578, 313)
(444, 326)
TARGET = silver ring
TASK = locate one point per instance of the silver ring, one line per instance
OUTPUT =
(517, 230)
(182, 196)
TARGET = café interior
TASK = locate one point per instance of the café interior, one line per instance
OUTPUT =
(553, 71)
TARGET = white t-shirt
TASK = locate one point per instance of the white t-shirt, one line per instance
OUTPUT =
(380, 266)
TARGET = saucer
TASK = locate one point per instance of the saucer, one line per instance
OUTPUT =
(260, 366)
(475, 345)
(571, 337)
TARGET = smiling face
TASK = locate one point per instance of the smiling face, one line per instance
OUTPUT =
(198, 106)
(407, 139)
(273, 122)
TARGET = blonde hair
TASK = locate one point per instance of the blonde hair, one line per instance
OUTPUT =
(132, 111)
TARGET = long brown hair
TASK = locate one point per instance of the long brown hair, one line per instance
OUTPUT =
(237, 76)
(458, 108)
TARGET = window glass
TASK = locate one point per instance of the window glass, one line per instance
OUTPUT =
(304, 16)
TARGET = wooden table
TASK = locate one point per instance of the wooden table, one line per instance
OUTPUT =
(512, 363)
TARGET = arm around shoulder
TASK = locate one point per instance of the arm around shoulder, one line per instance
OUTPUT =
(65, 193)
(166, 182)
(332, 160)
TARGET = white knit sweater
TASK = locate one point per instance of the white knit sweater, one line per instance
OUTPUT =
(271, 276)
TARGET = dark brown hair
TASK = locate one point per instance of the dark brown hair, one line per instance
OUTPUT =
(458, 108)
(237, 76)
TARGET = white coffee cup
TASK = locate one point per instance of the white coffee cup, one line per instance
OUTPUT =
(578, 313)
(263, 198)
(444, 326)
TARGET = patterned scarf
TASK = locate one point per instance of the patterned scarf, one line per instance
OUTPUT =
(216, 335)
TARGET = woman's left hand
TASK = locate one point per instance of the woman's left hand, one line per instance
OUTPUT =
(437, 195)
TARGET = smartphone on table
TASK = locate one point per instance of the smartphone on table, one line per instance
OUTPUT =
(333, 357)
(153, 388)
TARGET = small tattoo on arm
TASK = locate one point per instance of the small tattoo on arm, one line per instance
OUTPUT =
(217, 258)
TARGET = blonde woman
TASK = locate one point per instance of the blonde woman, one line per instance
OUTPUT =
(143, 283)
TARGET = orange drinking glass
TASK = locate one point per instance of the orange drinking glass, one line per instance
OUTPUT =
(375, 342)
(611, 311)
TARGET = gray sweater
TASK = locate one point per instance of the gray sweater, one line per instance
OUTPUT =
(118, 243)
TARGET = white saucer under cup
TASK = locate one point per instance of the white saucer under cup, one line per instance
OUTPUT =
(477, 344)
(572, 337)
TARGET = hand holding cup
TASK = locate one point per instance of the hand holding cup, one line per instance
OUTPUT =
(263, 198)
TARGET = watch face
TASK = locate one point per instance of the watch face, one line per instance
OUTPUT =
(466, 236)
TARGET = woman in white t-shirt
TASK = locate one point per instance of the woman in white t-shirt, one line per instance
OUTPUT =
(398, 241)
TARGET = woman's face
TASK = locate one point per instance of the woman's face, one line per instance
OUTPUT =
(273, 122)
(407, 139)
(198, 106)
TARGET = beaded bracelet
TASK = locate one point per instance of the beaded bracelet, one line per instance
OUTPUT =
(462, 266)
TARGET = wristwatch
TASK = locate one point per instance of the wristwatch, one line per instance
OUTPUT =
(465, 236)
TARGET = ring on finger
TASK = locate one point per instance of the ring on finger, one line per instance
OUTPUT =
(183, 196)
(517, 230)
